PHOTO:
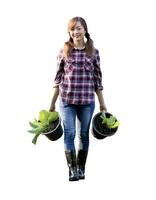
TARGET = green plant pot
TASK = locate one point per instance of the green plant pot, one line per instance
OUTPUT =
(55, 130)
(100, 130)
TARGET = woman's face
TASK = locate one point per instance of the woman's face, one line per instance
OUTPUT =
(78, 32)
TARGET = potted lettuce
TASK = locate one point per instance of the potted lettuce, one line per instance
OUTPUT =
(104, 124)
(110, 121)
(48, 124)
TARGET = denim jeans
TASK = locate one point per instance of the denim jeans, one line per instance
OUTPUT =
(69, 113)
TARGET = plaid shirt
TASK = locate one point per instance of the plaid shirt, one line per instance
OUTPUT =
(78, 77)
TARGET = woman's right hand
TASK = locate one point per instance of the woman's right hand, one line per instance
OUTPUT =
(54, 99)
(52, 108)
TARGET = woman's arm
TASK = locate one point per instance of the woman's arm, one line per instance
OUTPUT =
(101, 100)
(57, 79)
(98, 81)
(54, 99)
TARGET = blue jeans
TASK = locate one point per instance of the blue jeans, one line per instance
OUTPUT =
(84, 113)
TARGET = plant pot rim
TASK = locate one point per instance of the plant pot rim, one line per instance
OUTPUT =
(49, 132)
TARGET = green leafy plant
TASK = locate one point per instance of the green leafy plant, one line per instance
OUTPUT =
(110, 122)
(42, 124)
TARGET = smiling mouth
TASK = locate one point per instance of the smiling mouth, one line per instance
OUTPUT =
(77, 36)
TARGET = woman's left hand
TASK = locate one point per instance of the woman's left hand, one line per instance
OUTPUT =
(103, 108)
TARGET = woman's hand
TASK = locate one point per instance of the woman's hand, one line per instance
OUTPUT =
(52, 108)
(103, 108)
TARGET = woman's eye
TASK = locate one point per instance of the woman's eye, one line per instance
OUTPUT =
(78, 29)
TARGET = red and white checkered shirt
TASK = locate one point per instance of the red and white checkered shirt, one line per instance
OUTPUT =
(78, 77)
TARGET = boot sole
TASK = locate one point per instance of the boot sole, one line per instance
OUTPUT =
(74, 179)
(82, 178)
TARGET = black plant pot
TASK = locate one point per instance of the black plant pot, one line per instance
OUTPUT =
(55, 130)
(100, 130)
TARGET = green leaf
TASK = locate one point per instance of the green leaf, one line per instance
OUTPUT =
(117, 123)
(101, 116)
(37, 130)
(43, 116)
(34, 124)
(104, 119)
(45, 125)
(53, 116)
(35, 139)
(110, 121)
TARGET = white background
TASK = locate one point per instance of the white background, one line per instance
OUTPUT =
(119, 167)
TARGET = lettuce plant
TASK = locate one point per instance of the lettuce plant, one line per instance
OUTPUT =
(110, 122)
(42, 124)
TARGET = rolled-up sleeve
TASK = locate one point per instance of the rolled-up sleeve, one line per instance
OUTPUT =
(97, 72)
(59, 70)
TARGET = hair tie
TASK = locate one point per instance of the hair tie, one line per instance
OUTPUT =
(87, 35)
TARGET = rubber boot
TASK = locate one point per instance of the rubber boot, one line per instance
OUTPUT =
(71, 162)
(81, 161)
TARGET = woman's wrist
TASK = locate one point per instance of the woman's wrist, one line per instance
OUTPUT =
(101, 100)
(52, 108)
(103, 107)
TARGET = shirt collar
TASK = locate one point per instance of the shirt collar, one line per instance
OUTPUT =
(79, 48)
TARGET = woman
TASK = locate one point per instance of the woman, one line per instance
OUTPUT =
(77, 79)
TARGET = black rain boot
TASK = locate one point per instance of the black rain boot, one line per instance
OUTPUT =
(81, 161)
(71, 161)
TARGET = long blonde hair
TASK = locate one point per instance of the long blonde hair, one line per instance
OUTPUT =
(69, 45)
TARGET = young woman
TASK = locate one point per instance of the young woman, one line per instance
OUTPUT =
(77, 79)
